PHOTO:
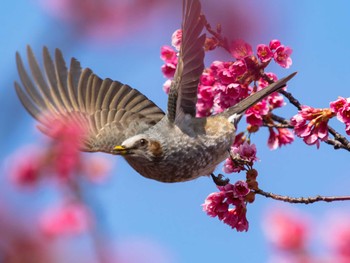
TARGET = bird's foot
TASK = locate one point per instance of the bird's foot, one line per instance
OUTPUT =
(220, 180)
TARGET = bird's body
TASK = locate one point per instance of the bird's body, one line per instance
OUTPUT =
(116, 119)
(196, 146)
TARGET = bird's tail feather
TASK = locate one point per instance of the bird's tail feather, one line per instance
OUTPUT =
(235, 112)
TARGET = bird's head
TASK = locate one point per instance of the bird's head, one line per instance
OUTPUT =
(141, 146)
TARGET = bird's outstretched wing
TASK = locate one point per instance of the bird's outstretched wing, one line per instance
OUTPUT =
(183, 90)
(107, 111)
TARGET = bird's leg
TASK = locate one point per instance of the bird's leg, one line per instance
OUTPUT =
(220, 180)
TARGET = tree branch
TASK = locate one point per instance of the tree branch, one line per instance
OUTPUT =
(302, 200)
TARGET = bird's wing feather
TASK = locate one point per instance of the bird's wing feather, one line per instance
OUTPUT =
(108, 111)
(183, 90)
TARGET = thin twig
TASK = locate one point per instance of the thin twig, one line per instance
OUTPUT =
(223, 42)
(336, 144)
(291, 99)
(340, 138)
(278, 125)
(302, 200)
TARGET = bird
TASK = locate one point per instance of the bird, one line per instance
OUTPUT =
(170, 147)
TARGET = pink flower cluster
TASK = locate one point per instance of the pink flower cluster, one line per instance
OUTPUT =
(224, 84)
(283, 136)
(277, 51)
(218, 205)
(170, 58)
(245, 154)
(341, 107)
(311, 124)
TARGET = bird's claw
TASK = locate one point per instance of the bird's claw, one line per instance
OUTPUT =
(220, 180)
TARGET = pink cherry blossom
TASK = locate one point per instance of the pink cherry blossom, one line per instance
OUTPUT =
(274, 44)
(255, 113)
(231, 167)
(282, 137)
(236, 218)
(71, 218)
(240, 49)
(176, 39)
(166, 86)
(214, 204)
(312, 124)
(338, 104)
(168, 54)
(233, 191)
(275, 100)
(263, 83)
(238, 68)
(341, 107)
(207, 78)
(264, 53)
(245, 152)
(205, 100)
(282, 56)
(224, 72)
(227, 95)
(220, 204)
(168, 69)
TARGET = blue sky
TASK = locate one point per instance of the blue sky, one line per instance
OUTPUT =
(170, 215)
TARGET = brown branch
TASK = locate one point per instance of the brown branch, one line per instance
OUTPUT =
(340, 138)
(291, 99)
(302, 200)
(278, 125)
(281, 120)
(336, 144)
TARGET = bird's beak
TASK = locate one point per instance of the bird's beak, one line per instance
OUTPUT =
(119, 149)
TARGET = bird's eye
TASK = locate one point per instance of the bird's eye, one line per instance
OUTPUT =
(143, 142)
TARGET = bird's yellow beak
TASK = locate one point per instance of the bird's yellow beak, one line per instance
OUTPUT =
(120, 150)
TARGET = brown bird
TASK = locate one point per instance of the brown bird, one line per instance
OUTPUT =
(117, 119)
